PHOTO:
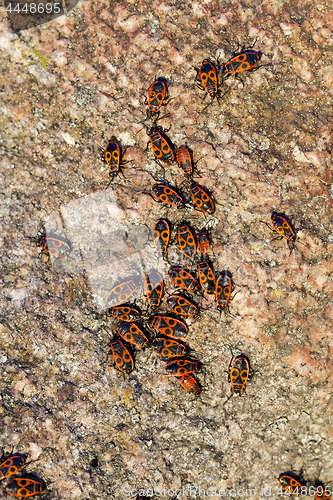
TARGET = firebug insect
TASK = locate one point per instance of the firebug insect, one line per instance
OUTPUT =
(184, 159)
(282, 225)
(122, 356)
(206, 276)
(203, 242)
(132, 334)
(168, 348)
(161, 144)
(113, 156)
(171, 327)
(180, 305)
(207, 75)
(153, 287)
(161, 235)
(322, 492)
(223, 290)
(55, 245)
(12, 465)
(121, 293)
(24, 487)
(186, 240)
(202, 200)
(245, 60)
(290, 482)
(190, 384)
(239, 373)
(183, 279)
(126, 313)
(181, 367)
(168, 195)
(157, 92)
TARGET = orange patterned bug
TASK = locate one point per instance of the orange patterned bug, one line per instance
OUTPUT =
(153, 287)
(126, 313)
(180, 305)
(186, 240)
(132, 334)
(24, 487)
(168, 195)
(122, 357)
(113, 156)
(203, 242)
(121, 293)
(206, 276)
(12, 465)
(183, 279)
(172, 327)
(282, 225)
(181, 367)
(184, 159)
(207, 75)
(223, 290)
(55, 245)
(239, 373)
(291, 483)
(157, 93)
(168, 348)
(202, 200)
(190, 384)
(245, 60)
(161, 235)
(161, 144)
(322, 492)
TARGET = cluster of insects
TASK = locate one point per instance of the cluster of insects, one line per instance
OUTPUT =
(222, 285)
(246, 59)
(24, 486)
(164, 332)
(168, 341)
(171, 327)
(205, 281)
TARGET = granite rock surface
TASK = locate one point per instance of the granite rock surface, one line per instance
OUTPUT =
(67, 87)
